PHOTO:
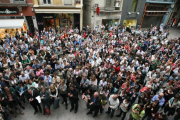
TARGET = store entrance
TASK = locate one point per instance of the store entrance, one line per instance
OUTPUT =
(107, 23)
(49, 23)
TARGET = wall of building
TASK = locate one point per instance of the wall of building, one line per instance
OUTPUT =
(154, 20)
(87, 13)
(127, 4)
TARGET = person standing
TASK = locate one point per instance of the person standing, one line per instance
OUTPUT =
(137, 112)
(73, 97)
(32, 94)
(63, 92)
(45, 99)
(94, 104)
(123, 108)
(113, 105)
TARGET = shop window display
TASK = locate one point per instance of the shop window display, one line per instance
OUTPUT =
(64, 21)
(12, 31)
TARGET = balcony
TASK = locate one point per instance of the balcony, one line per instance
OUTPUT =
(57, 3)
(161, 1)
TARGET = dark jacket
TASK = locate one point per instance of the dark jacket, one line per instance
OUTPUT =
(46, 96)
(97, 102)
(149, 111)
(74, 93)
(35, 94)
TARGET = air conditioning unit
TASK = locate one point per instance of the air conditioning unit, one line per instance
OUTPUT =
(118, 0)
(117, 4)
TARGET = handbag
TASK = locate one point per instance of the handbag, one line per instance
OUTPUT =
(56, 103)
(47, 111)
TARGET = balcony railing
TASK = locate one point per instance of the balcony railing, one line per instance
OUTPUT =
(58, 2)
(13, 1)
(161, 1)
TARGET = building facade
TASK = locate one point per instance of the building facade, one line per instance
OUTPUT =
(16, 15)
(58, 14)
(132, 12)
(146, 12)
(109, 13)
(156, 12)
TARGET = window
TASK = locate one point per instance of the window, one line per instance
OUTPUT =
(134, 6)
(47, 1)
(78, 1)
(19, 0)
(67, 2)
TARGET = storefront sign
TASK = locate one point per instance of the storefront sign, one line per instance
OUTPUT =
(8, 11)
(113, 17)
(47, 16)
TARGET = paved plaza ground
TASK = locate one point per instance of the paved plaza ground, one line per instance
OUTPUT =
(62, 114)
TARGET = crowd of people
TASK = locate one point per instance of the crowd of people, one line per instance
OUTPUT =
(136, 71)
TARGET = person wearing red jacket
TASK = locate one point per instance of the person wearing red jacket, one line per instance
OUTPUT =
(117, 67)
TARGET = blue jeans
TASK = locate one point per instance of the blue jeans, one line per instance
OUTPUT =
(44, 104)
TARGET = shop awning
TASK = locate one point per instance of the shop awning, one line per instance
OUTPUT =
(57, 10)
(11, 23)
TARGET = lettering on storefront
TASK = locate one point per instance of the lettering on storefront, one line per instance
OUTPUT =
(47, 16)
(8, 11)
(113, 17)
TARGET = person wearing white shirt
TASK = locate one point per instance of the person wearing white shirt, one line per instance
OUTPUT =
(23, 77)
(113, 105)
(98, 59)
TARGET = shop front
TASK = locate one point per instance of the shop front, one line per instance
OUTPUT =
(110, 22)
(13, 19)
(130, 23)
(58, 21)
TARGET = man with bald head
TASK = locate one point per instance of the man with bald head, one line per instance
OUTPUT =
(94, 104)
(160, 98)
(113, 104)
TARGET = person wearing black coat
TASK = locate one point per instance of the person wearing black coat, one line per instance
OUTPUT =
(150, 110)
(73, 97)
(94, 104)
(32, 94)
(45, 99)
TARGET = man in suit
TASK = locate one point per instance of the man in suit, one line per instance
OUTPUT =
(73, 97)
(32, 94)
(95, 104)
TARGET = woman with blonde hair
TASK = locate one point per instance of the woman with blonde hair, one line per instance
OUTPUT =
(53, 92)
(93, 83)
